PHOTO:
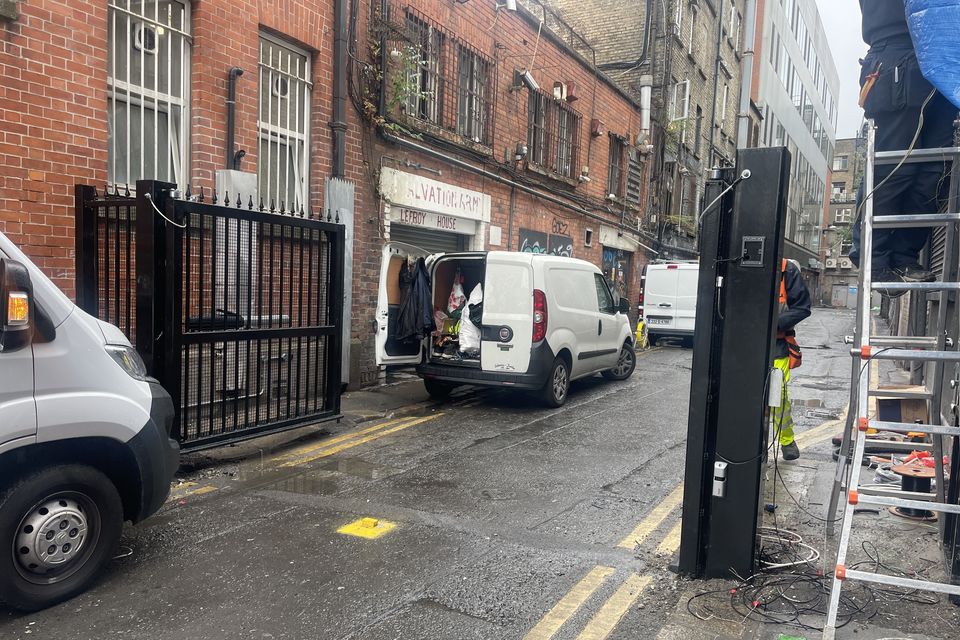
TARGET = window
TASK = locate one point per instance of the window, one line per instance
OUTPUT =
(699, 132)
(840, 163)
(843, 216)
(680, 104)
(604, 297)
(678, 16)
(423, 87)
(148, 90)
(738, 25)
(634, 190)
(283, 125)
(553, 133)
(473, 79)
(722, 106)
(839, 190)
(615, 166)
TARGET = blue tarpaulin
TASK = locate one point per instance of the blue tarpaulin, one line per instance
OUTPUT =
(935, 30)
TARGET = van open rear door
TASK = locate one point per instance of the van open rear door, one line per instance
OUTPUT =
(389, 349)
(507, 333)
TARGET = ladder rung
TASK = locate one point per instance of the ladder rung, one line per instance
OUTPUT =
(874, 445)
(893, 492)
(906, 427)
(916, 286)
(921, 220)
(915, 354)
(909, 504)
(908, 583)
(917, 155)
(906, 341)
(900, 394)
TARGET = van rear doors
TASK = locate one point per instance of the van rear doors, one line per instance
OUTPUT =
(507, 333)
(388, 349)
(670, 298)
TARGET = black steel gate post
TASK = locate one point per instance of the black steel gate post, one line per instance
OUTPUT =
(172, 312)
(335, 311)
(85, 236)
(150, 258)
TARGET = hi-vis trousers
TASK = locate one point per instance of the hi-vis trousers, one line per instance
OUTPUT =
(782, 415)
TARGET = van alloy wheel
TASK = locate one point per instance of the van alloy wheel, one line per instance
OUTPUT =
(56, 537)
(626, 363)
(560, 383)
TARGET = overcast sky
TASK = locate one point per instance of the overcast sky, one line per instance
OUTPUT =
(841, 20)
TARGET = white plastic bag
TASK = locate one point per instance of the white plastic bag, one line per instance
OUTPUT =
(456, 296)
(469, 332)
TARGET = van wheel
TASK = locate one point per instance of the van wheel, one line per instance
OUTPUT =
(58, 528)
(626, 363)
(555, 390)
(438, 390)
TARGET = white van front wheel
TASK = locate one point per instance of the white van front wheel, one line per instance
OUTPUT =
(626, 363)
(58, 529)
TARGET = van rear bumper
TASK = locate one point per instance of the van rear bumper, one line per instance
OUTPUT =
(156, 453)
(541, 359)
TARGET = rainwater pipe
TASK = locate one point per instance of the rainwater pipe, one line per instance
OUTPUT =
(339, 125)
(232, 159)
(743, 118)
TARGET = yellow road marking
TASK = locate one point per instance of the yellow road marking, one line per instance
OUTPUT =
(200, 491)
(653, 519)
(357, 441)
(368, 528)
(304, 450)
(568, 604)
(602, 624)
(671, 542)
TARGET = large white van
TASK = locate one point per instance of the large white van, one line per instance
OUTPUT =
(668, 299)
(84, 439)
(543, 321)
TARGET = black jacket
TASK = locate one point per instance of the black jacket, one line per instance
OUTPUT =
(798, 301)
(415, 320)
(884, 21)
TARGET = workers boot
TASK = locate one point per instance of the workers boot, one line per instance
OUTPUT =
(886, 274)
(915, 273)
(791, 451)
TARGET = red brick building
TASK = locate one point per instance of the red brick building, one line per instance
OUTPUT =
(498, 119)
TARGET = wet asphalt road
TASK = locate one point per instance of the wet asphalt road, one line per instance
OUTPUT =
(502, 508)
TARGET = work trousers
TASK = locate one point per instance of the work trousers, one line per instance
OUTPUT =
(782, 415)
(894, 103)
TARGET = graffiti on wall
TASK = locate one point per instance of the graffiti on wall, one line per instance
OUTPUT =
(561, 246)
(538, 242)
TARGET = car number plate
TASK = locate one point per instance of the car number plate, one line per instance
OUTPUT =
(659, 320)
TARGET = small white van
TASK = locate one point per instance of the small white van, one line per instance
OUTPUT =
(543, 321)
(84, 439)
(668, 299)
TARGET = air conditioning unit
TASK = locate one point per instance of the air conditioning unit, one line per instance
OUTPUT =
(846, 263)
(831, 263)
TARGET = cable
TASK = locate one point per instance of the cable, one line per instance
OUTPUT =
(744, 175)
(149, 197)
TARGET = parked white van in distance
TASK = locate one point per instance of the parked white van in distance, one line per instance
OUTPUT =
(546, 320)
(668, 299)
(84, 439)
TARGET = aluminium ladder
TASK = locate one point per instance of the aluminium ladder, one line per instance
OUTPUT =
(933, 351)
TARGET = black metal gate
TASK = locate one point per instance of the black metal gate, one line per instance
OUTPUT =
(236, 311)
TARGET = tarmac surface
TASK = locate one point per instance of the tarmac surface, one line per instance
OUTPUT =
(485, 516)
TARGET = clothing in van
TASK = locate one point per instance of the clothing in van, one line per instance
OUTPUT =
(794, 302)
(415, 320)
(893, 90)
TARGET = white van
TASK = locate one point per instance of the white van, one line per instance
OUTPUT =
(544, 321)
(668, 299)
(84, 439)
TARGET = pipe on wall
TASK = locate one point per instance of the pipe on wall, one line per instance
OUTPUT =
(338, 125)
(232, 161)
(743, 118)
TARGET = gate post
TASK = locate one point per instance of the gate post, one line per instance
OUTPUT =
(151, 254)
(85, 258)
(335, 311)
(172, 318)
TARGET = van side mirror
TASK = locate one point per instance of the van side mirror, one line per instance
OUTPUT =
(624, 305)
(16, 306)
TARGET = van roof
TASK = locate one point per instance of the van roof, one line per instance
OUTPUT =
(523, 257)
(679, 264)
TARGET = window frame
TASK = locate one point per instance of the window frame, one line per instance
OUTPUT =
(616, 183)
(601, 289)
(841, 159)
(553, 134)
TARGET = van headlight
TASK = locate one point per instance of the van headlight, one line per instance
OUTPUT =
(129, 360)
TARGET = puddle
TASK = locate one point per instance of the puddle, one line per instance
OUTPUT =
(359, 468)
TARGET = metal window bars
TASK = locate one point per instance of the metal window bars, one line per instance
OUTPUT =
(553, 134)
(283, 123)
(148, 90)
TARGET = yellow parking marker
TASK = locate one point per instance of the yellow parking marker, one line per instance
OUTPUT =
(568, 604)
(323, 453)
(653, 519)
(602, 624)
(671, 542)
(300, 451)
(368, 528)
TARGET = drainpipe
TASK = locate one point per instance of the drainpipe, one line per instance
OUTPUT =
(339, 125)
(716, 79)
(743, 124)
(232, 160)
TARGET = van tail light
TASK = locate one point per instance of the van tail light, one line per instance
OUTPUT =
(539, 315)
(18, 309)
(673, 266)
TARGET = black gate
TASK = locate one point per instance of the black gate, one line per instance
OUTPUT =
(235, 310)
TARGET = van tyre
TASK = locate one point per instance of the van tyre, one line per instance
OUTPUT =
(58, 529)
(555, 391)
(626, 363)
(438, 390)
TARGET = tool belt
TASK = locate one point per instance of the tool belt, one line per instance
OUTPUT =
(793, 349)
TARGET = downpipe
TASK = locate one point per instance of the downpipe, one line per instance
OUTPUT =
(338, 125)
(232, 159)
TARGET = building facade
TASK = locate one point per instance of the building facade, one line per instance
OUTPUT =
(840, 274)
(683, 58)
(460, 126)
(794, 88)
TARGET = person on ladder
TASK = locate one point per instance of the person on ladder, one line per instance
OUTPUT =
(794, 308)
(895, 95)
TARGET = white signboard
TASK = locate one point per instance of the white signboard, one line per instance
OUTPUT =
(435, 221)
(403, 189)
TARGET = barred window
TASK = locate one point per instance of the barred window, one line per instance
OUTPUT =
(148, 90)
(283, 124)
(424, 91)
(473, 78)
(615, 166)
(553, 134)
(634, 189)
